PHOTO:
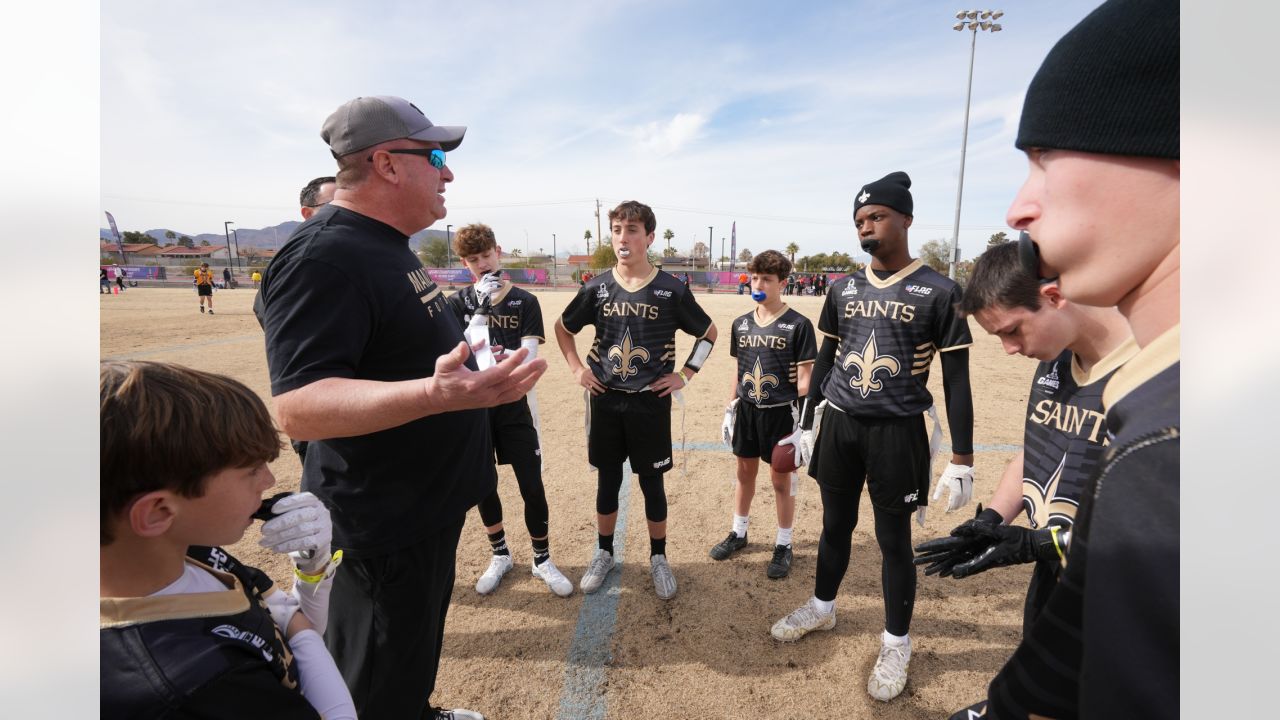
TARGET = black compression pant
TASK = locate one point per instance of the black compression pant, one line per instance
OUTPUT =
(893, 534)
(655, 495)
(529, 478)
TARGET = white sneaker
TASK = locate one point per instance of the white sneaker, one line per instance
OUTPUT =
(551, 575)
(664, 582)
(600, 566)
(801, 622)
(498, 566)
(889, 676)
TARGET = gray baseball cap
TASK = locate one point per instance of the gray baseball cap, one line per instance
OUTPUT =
(368, 121)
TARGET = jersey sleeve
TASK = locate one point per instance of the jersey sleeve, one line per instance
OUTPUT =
(531, 320)
(581, 312)
(317, 324)
(829, 320)
(458, 306)
(690, 317)
(733, 339)
(806, 343)
(951, 331)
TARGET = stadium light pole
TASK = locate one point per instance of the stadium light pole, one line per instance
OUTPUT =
(448, 246)
(973, 20)
(711, 243)
(235, 237)
(226, 229)
(554, 261)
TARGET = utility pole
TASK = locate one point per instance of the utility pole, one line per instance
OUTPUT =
(599, 237)
(711, 242)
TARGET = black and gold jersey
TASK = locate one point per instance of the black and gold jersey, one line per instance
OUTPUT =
(635, 326)
(514, 314)
(1066, 434)
(204, 654)
(769, 354)
(888, 332)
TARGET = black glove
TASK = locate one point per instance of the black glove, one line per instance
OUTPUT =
(1013, 545)
(964, 544)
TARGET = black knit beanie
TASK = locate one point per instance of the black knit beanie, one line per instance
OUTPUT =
(890, 191)
(1110, 85)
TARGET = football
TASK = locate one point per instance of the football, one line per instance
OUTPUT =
(783, 458)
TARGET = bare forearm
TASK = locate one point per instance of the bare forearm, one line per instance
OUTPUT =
(1007, 499)
(343, 407)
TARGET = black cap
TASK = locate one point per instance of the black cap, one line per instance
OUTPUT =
(890, 191)
(1110, 85)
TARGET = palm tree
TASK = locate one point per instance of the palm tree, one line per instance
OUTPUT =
(792, 249)
(587, 236)
(667, 235)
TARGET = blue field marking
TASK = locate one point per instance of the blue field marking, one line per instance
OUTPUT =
(591, 651)
(720, 447)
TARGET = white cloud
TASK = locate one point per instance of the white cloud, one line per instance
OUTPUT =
(666, 138)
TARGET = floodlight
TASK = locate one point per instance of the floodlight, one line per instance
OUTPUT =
(960, 15)
(985, 14)
(995, 27)
(972, 15)
(997, 14)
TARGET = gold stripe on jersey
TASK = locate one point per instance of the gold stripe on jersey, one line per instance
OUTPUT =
(122, 612)
(1159, 355)
(826, 334)
(923, 358)
(639, 286)
(1105, 366)
(876, 282)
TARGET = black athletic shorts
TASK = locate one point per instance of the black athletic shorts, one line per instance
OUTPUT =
(515, 439)
(890, 454)
(756, 430)
(204, 290)
(635, 426)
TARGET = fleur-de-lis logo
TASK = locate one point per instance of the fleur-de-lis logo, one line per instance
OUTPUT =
(863, 367)
(758, 381)
(626, 354)
(1043, 504)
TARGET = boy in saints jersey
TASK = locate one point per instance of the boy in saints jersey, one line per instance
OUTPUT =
(515, 321)
(882, 327)
(1079, 349)
(630, 377)
(775, 349)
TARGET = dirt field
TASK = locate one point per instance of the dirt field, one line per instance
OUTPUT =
(708, 652)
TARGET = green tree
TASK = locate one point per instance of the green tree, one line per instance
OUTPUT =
(587, 236)
(434, 253)
(998, 239)
(135, 237)
(186, 242)
(203, 243)
(745, 255)
(934, 254)
(170, 236)
(603, 257)
(964, 269)
(668, 235)
(668, 252)
(792, 249)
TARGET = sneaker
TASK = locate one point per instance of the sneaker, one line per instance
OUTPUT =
(780, 565)
(210, 311)
(436, 713)
(801, 622)
(728, 546)
(201, 308)
(498, 567)
(664, 583)
(551, 575)
(889, 676)
(600, 566)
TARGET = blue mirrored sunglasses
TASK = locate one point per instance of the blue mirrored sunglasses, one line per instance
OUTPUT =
(435, 156)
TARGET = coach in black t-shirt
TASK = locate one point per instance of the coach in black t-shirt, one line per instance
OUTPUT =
(369, 365)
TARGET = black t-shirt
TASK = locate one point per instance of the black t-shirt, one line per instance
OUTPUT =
(769, 355)
(346, 298)
(889, 331)
(514, 314)
(635, 326)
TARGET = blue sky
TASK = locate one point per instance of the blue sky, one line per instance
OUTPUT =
(768, 114)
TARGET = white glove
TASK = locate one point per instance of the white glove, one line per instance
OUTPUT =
(282, 605)
(803, 442)
(303, 524)
(488, 285)
(958, 479)
(726, 427)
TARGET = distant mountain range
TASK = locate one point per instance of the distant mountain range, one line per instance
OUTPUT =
(268, 238)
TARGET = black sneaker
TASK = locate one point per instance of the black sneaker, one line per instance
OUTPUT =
(780, 565)
(728, 546)
(436, 713)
